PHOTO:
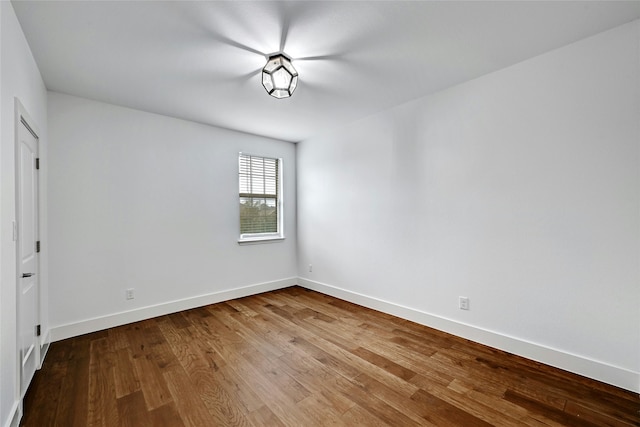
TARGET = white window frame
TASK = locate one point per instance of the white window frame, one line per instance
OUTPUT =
(248, 238)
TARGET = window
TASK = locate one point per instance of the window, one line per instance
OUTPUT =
(260, 198)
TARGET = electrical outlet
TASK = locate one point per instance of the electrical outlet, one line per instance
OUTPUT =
(129, 294)
(310, 268)
(463, 303)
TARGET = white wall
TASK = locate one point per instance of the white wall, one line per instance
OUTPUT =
(19, 77)
(150, 202)
(519, 190)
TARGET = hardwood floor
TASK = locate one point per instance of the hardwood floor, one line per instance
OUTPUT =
(295, 357)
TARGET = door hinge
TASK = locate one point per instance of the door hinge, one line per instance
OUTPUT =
(38, 330)
(38, 163)
(38, 246)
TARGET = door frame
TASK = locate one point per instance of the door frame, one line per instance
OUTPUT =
(23, 117)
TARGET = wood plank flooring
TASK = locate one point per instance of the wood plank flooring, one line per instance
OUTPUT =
(295, 357)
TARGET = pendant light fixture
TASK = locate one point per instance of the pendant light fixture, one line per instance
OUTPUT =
(279, 78)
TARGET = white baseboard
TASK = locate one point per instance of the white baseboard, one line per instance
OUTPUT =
(45, 343)
(600, 371)
(15, 415)
(104, 322)
(619, 377)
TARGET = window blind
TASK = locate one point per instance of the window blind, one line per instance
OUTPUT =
(259, 194)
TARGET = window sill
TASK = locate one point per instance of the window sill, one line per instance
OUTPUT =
(259, 240)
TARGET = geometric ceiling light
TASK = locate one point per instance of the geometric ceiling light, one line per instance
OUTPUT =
(279, 77)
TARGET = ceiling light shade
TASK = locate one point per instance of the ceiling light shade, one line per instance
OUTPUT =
(279, 77)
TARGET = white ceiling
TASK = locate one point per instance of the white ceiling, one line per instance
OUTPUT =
(200, 61)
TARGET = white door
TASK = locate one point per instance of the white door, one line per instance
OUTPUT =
(27, 214)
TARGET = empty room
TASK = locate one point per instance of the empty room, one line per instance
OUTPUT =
(307, 213)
